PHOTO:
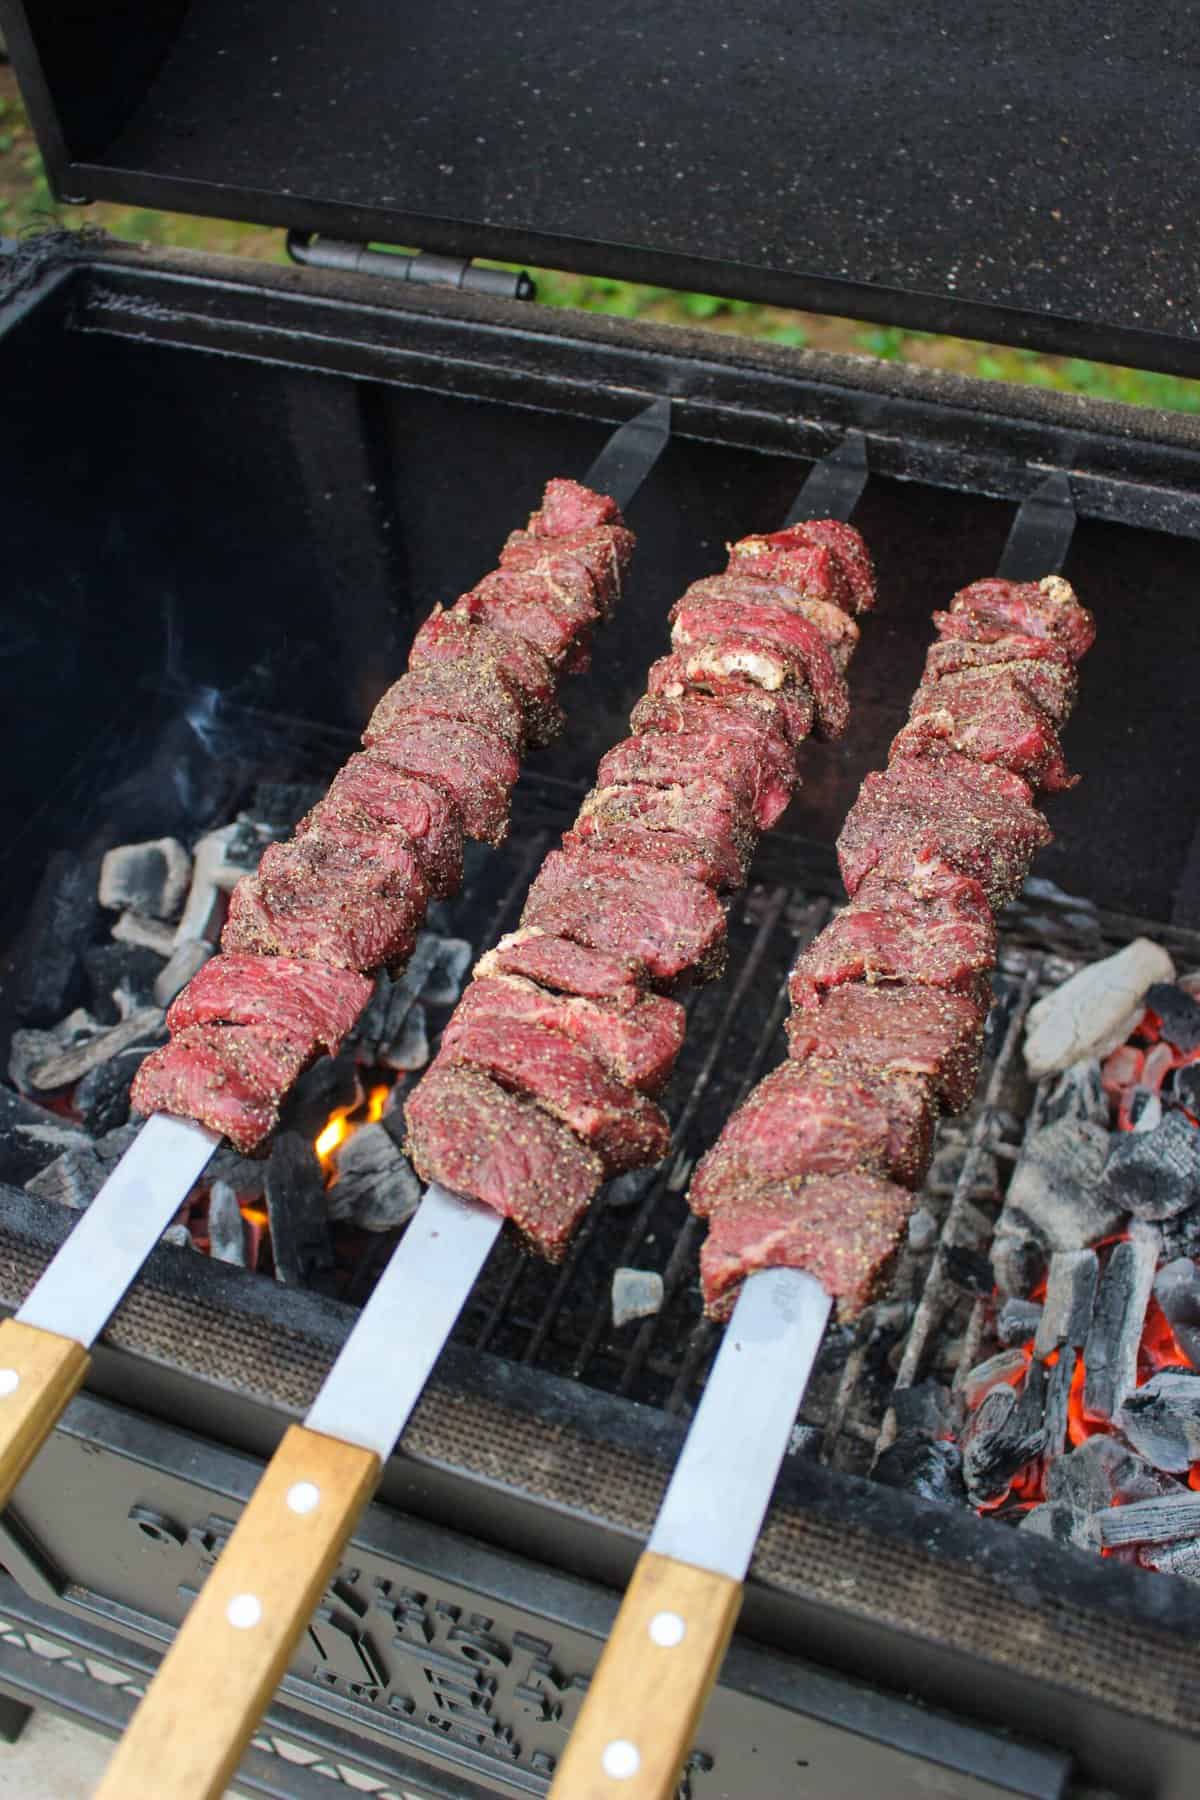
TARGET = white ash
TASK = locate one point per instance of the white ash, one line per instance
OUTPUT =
(151, 934)
(375, 1186)
(1174, 1559)
(1164, 1520)
(226, 1227)
(1055, 1198)
(1161, 1419)
(72, 1179)
(1095, 1010)
(67, 1066)
(1074, 1093)
(216, 871)
(1017, 1321)
(179, 1235)
(1155, 1174)
(636, 1294)
(150, 878)
(922, 1230)
(186, 960)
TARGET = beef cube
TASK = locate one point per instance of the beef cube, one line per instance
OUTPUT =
(764, 787)
(626, 1130)
(195, 1076)
(452, 637)
(568, 506)
(989, 610)
(472, 693)
(565, 967)
(754, 605)
(696, 827)
(637, 1044)
(309, 1006)
(724, 722)
(789, 708)
(597, 557)
(478, 1139)
(667, 921)
(825, 558)
(909, 1029)
(990, 718)
(1045, 671)
(922, 922)
(476, 770)
(819, 1118)
(548, 618)
(718, 641)
(843, 1229)
(371, 788)
(972, 815)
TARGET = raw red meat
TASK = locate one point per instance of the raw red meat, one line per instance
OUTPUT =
(760, 775)
(898, 1029)
(626, 1130)
(696, 827)
(990, 718)
(291, 999)
(1044, 670)
(973, 815)
(371, 792)
(843, 1229)
(478, 1139)
(525, 606)
(789, 708)
(819, 1118)
(566, 967)
(824, 558)
(477, 771)
(725, 596)
(936, 928)
(989, 610)
(568, 506)
(476, 694)
(768, 645)
(451, 637)
(638, 1044)
(200, 1075)
(669, 922)
(581, 561)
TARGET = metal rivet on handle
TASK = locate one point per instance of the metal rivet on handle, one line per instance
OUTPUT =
(244, 1610)
(10, 1381)
(621, 1759)
(667, 1629)
(303, 1496)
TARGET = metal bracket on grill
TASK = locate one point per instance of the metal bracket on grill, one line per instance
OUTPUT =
(1041, 532)
(834, 485)
(424, 268)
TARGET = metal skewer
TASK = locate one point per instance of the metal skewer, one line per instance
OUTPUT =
(241, 1630)
(44, 1348)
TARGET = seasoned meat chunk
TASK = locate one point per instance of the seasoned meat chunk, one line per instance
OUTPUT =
(663, 918)
(637, 1044)
(767, 643)
(843, 1229)
(371, 792)
(551, 619)
(476, 693)
(479, 1139)
(825, 558)
(283, 996)
(566, 967)
(568, 506)
(988, 610)
(789, 708)
(451, 637)
(696, 827)
(990, 718)
(228, 1077)
(598, 557)
(1042, 668)
(925, 924)
(476, 770)
(352, 901)
(898, 1029)
(760, 776)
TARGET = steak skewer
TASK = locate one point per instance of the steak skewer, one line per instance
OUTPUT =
(346, 894)
(808, 1186)
(524, 1116)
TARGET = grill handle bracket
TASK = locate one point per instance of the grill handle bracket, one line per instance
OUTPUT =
(1041, 533)
(834, 485)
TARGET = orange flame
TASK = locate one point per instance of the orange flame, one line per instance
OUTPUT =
(335, 1132)
(343, 1123)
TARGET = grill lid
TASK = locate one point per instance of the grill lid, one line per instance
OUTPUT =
(1028, 174)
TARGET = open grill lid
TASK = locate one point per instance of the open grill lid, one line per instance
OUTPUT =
(1028, 174)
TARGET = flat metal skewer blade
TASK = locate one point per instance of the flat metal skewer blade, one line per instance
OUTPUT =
(88, 1277)
(718, 1496)
(834, 485)
(369, 1394)
(630, 453)
(1040, 535)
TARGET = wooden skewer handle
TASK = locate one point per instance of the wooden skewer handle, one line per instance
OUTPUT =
(643, 1704)
(39, 1372)
(186, 1738)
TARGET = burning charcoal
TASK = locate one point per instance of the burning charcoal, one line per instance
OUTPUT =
(922, 1231)
(1004, 1367)
(1178, 1012)
(629, 1189)
(410, 1050)
(375, 1187)
(330, 1086)
(1174, 1559)
(61, 1070)
(447, 971)
(246, 1175)
(968, 1270)
(214, 874)
(930, 1408)
(102, 1098)
(172, 977)
(996, 1444)
(283, 804)
(150, 879)
(947, 1166)
(226, 1228)
(1019, 1262)
(61, 921)
(1184, 1088)
(1055, 1194)
(1177, 1290)
(1017, 1321)
(930, 1468)
(179, 1236)
(1070, 1296)
(296, 1211)
(150, 934)
(1100, 1473)
(1095, 1010)
(121, 978)
(246, 842)
(1056, 1414)
(30, 1137)
(636, 1294)
(1161, 1521)
(1049, 1521)
(1155, 1174)
(1077, 1094)
(1181, 1235)
(111, 1147)
(1162, 1420)
(1120, 1314)
(28, 1049)
(72, 1179)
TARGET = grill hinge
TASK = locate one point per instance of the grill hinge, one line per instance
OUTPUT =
(430, 270)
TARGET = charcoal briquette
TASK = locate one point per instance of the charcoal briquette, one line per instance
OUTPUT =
(295, 1186)
(1155, 1174)
(59, 928)
(931, 1468)
(1178, 1012)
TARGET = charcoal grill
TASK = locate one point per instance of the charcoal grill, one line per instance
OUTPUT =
(229, 496)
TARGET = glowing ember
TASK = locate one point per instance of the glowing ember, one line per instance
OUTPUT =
(345, 1123)
(335, 1133)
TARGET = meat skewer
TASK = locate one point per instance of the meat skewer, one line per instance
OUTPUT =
(523, 1115)
(345, 895)
(808, 1186)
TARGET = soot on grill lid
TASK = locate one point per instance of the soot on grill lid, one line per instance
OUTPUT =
(997, 179)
